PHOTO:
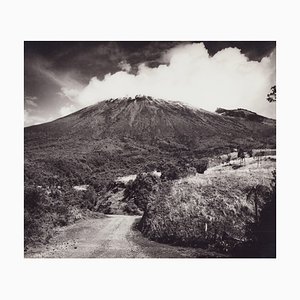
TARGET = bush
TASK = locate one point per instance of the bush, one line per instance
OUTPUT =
(140, 189)
(241, 153)
(32, 197)
(34, 203)
(45, 209)
(90, 198)
(174, 220)
(191, 171)
(250, 152)
(150, 167)
(170, 172)
(131, 209)
(228, 158)
(211, 212)
(262, 232)
(201, 165)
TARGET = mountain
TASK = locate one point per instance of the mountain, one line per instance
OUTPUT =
(121, 136)
(245, 114)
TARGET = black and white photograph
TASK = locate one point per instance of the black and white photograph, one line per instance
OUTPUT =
(150, 149)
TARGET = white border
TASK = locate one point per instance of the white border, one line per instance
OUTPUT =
(148, 20)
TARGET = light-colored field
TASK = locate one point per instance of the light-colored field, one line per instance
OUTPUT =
(206, 207)
(251, 170)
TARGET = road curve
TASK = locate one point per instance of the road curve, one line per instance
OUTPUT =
(112, 236)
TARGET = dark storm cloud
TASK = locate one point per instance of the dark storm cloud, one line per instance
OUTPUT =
(50, 66)
(88, 59)
(253, 50)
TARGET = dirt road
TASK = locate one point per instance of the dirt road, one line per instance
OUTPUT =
(112, 236)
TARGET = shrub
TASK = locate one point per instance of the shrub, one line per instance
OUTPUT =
(170, 172)
(131, 209)
(90, 198)
(201, 165)
(234, 167)
(241, 153)
(150, 167)
(228, 158)
(191, 171)
(32, 197)
(140, 189)
(250, 152)
(262, 232)
(45, 209)
(206, 212)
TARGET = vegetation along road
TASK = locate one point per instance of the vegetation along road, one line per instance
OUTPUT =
(112, 236)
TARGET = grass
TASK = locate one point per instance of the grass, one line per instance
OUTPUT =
(208, 210)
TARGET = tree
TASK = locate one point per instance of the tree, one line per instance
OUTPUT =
(170, 172)
(150, 167)
(250, 152)
(241, 153)
(266, 228)
(262, 232)
(90, 198)
(141, 189)
(33, 197)
(228, 158)
(271, 97)
(201, 165)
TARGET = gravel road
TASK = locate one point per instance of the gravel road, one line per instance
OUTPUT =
(112, 236)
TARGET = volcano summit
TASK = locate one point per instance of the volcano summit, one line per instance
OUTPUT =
(123, 135)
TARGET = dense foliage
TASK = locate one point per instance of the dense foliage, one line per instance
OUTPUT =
(47, 209)
(139, 191)
(262, 232)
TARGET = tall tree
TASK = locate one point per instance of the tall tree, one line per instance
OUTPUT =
(271, 97)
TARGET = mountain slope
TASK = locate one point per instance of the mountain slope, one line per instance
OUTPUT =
(245, 114)
(122, 135)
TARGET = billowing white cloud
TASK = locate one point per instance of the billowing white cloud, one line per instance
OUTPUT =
(228, 80)
(70, 93)
(66, 110)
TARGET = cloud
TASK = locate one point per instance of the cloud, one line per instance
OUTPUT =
(32, 117)
(189, 74)
(30, 101)
(64, 80)
(70, 93)
(66, 110)
(124, 66)
(31, 112)
(31, 98)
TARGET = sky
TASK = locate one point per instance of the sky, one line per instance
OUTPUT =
(63, 77)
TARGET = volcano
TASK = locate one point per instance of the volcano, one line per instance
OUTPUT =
(120, 136)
